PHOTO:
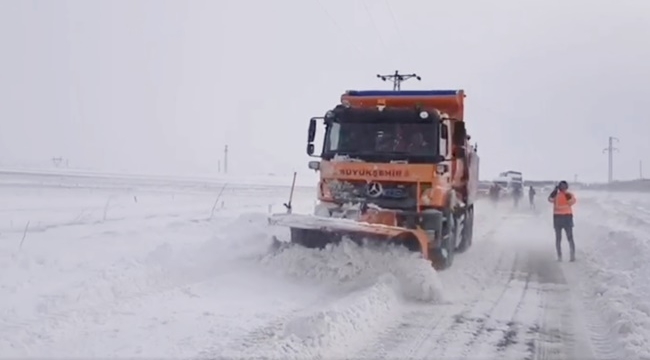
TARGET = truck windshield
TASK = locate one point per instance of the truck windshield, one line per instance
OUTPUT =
(379, 141)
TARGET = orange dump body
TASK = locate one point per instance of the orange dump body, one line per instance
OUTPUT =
(447, 101)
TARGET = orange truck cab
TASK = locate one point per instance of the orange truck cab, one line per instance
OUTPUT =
(399, 163)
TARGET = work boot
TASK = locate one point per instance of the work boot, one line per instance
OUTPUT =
(559, 257)
(573, 257)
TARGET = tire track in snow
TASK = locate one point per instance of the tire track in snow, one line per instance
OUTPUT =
(512, 331)
(560, 329)
(427, 330)
(497, 329)
(578, 298)
(521, 313)
(552, 334)
(422, 324)
(531, 319)
(480, 320)
(603, 338)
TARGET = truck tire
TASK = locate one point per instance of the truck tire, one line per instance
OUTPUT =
(449, 238)
(467, 232)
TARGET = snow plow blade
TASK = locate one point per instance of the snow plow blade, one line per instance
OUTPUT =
(316, 232)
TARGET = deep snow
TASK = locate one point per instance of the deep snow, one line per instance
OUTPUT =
(109, 268)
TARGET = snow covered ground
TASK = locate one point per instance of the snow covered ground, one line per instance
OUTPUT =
(105, 267)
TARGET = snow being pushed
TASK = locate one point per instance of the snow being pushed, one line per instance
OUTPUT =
(349, 266)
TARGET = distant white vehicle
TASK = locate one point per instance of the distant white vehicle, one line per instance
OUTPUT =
(510, 179)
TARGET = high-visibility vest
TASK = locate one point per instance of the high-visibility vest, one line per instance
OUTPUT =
(561, 205)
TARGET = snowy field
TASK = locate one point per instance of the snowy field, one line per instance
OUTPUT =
(113, 267)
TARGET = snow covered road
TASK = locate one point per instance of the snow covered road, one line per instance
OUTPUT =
(112, 268)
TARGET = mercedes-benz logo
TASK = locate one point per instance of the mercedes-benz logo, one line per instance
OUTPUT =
(374, 189)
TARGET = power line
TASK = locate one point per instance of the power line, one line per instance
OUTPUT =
(345, 35)
(392, 16)
(374, 25)
(397, 28)
(610, 152)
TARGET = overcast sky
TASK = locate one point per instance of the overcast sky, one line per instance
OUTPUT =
(161, 86)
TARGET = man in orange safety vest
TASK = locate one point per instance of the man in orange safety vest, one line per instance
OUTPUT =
(562, 201)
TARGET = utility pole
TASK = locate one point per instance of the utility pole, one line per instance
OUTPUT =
(57, 161)
(397, 79)
(610, 152)
(225, 160)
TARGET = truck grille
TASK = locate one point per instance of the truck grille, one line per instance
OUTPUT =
(391, 195)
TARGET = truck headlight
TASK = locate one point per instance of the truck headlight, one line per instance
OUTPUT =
(426, 194)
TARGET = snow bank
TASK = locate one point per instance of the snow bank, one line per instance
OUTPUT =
(367, 287)
(91, 256)
(613, 245)
(332, 326)
(157, 277)
(343, 326)
(244, 238)
(348, 264)
(133, 268)
(342, 265)
(60, 278)
(71, 176)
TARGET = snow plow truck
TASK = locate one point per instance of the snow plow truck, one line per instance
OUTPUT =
(395, 166)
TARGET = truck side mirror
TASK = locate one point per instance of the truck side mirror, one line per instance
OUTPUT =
(310, 149)
(460, 133)
(312, 130)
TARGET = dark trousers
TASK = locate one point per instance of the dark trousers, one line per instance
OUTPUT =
(563, 222)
